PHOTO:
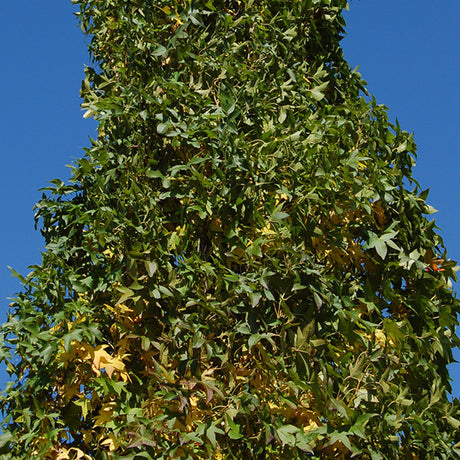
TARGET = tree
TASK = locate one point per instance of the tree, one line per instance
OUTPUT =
(241, 265)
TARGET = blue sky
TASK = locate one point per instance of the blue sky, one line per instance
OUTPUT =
(407, 51)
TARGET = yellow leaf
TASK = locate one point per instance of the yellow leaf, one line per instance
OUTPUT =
(110, 442)
(56, 327)
(362, 165)
(72, 453)
(195, 415)
(69, 390)
(87, 436)
(178, 20)
(105, 414)
(207, 374)
(272, 406)
(267, 231)
(103, 360)
(99, 355)
(194, 401)
(310, 425)
(108, 252)
(280, 197)
(381, 337)
(63, 455)
(85, 405)
(79, 453)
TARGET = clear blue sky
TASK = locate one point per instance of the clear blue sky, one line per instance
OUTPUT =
(407, 51)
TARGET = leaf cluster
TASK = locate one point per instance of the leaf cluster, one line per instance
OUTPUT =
(242, 265)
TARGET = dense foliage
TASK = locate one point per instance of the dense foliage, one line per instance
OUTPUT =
(241, 265)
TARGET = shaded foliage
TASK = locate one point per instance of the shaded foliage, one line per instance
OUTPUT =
(241, 265)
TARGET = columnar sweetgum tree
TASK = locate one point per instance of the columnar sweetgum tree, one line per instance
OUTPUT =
(241, 266)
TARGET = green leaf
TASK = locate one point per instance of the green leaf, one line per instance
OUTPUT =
(359, 427)
(253, 339)
(85, 405)
(211, 431)
(17, 275)
(317, 93)
(159, 51)
(286, 434)
(162, 128)
(342, 437)
(234, 429)
(241, 248)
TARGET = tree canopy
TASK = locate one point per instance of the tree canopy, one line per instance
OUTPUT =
(242, 265)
